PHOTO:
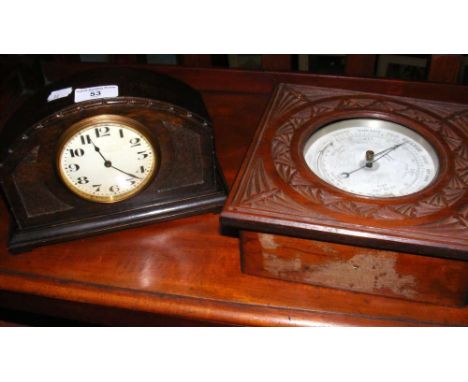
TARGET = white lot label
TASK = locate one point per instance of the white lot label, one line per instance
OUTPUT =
(96, 92)
(61, 93)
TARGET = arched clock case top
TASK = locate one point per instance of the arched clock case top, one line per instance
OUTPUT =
(277, 192)
(186, 179)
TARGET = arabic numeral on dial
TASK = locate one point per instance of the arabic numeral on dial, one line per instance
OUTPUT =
(121, 133)
(131, 180)
(73, 167)
(141, 169)
(135, 142)
(103, 131)
(85, 139)
(76, 152)
(114, 189)
(142, 155)
(82, 180)
(97, 187)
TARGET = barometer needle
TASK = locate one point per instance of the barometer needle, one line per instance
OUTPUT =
(108, 163)
(377, 156)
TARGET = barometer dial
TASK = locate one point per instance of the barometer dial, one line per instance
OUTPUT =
(372, 157)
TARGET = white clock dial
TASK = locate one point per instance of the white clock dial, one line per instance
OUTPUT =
(372, 157)
(106, 158)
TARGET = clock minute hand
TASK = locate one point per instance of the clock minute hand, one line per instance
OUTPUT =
(108, 163)
(126, 173)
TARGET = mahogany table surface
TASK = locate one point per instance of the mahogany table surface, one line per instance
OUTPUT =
(187, 270)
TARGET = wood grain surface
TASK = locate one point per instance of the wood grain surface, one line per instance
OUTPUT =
(358, 269)
(187, 268)
(276, 191)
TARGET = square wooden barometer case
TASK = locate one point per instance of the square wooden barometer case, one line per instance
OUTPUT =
(357, 191)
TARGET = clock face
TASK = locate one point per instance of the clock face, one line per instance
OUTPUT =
(106, 158)
(372, 157)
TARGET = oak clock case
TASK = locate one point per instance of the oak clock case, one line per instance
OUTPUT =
(357, 191)
(73, 167)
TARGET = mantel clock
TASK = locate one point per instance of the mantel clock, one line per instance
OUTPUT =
(104, 150)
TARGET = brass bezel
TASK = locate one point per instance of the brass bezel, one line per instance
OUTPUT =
(100, 119)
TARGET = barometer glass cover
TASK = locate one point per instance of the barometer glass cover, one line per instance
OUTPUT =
(372, 158)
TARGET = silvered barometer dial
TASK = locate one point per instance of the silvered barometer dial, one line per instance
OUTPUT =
(372, 157)
(106, 159)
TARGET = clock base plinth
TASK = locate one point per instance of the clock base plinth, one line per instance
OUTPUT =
(23, 240)
(357, 269)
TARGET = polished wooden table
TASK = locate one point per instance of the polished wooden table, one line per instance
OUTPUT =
(187, 272)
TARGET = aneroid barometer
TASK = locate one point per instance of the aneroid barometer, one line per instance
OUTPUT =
(356, 191)
(372, 157)
(105, 150)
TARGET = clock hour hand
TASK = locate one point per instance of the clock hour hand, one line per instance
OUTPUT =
(107, 163)
(376, 157)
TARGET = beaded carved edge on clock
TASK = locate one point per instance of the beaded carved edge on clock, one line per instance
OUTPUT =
(50, 201)
(275, 187)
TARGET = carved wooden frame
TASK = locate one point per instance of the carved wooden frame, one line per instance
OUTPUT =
(276, 192)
